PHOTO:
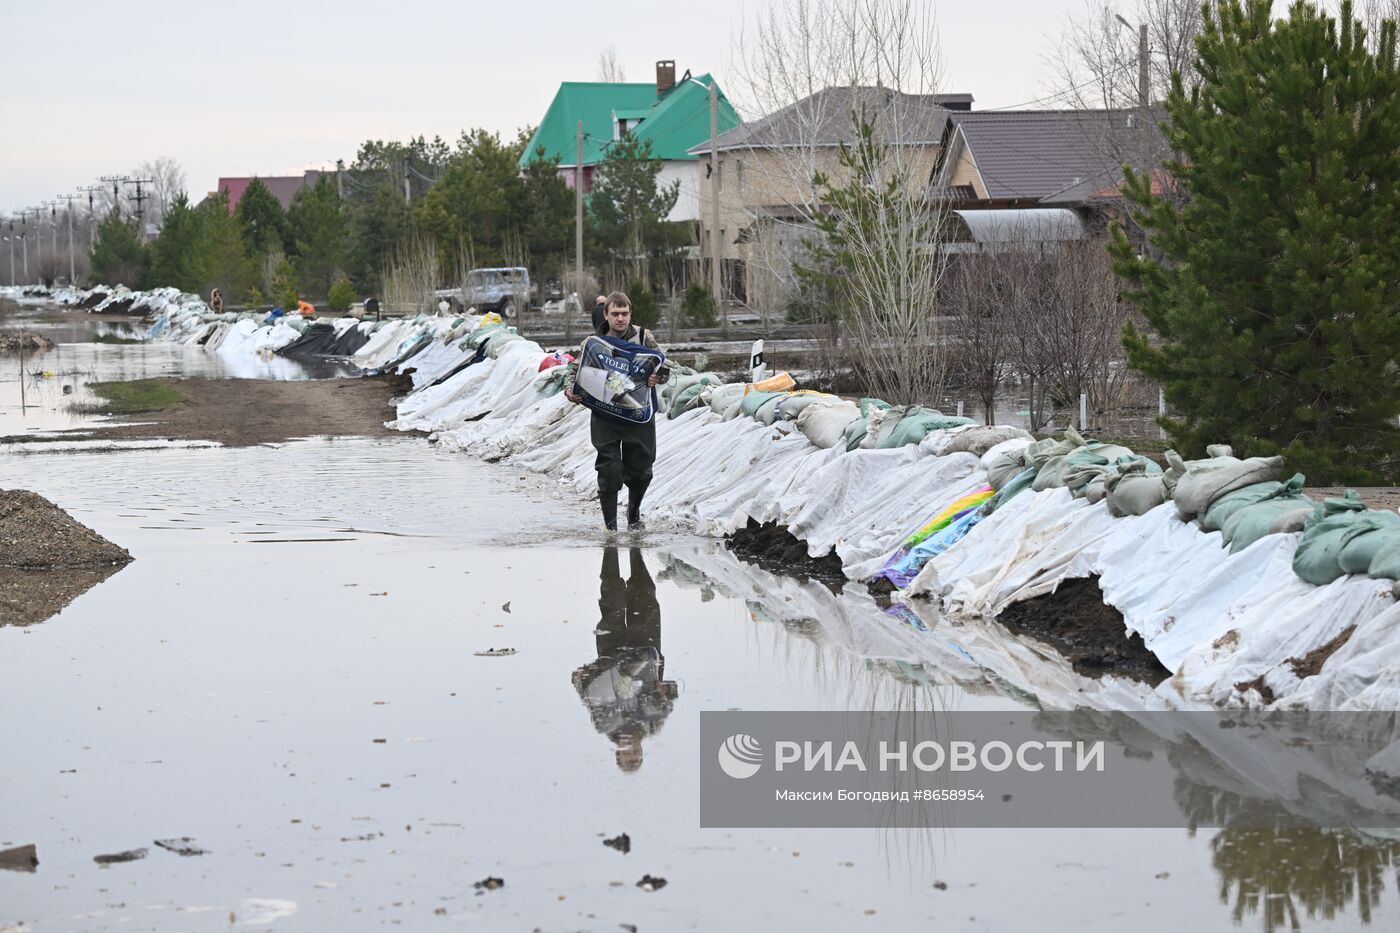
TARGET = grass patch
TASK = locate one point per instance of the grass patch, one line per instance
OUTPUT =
(130, 398)
(116, 338)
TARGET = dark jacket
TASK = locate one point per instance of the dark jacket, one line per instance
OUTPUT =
(600, 319)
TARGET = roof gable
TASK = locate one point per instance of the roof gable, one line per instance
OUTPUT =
(673, 123)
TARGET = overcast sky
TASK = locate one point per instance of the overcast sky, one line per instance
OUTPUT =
(268, 88)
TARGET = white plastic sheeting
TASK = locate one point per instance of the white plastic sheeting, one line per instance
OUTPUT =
(1229, 626)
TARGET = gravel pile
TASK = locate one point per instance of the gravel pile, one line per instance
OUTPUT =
(28, 342)
(36, 534)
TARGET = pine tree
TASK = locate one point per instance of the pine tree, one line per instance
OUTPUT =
(317, 232)
(222, 255)
(119, 257)
(1272, 285)
(175, 258)
(627, 208)
(261, 218)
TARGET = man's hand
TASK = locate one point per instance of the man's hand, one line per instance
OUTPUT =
(653, 379)
(577, 400)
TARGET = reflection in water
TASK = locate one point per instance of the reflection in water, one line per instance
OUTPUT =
(1274, 872)
(625, 689)
(28, 597)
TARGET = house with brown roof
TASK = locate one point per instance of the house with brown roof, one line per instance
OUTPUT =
(764, 171)
(281, 186)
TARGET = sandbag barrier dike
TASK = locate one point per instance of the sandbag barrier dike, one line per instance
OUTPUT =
(1199, 558)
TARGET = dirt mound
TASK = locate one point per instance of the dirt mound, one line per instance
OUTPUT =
(1311, 663)
(1086, 630)
(777, 550)
(93, 300)
(36, 534)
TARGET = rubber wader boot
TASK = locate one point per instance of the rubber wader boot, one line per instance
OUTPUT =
(634, 505)
(608, 500)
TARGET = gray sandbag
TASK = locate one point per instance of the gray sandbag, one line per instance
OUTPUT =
(1004, 468)
(1204, 481)
(1223, 507)
(880, 424)
(791, 406)
(1048, 476)
(867, 405)
(983, 437)
(1372, 531)
(825, 424)
(723, 396)
(1135, 491)
(754, 400)
(1009, 490)
(767, 413)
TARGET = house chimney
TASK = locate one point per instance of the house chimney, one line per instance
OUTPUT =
(665, 76)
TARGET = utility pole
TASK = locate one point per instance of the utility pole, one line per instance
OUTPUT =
(340, 178)
(407, 194)
(140, 200)
(116, 181)
(11, 240)
(72, 262)
(1143, 127)
(92, 215)
(578, 238)
(24, 239)
(716, 281)
(53, 227)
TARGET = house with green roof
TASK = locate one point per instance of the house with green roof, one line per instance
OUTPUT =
(674, 116)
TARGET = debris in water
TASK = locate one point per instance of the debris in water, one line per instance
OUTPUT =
(621, 842)
(22, 858)
(182, 846)
(505, 607)
(940, 885)
(651, 883)
(130, 855)
(495, 653)
(489, 884)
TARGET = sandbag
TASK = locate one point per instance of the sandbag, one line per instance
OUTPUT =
(880, 423)
(791, 406)
(1204, 481)
(753, 401)
(778, 382)
(856, 432)
(867, 405)
(1227, 505)
(1386, 562)
(981, 438)
(1136, 491)
(685, 394)
(1372, 531)
(1270, 517)
(1009, 490)
(825, 424)
(767, 413)
(1316, 559)
(724, 396)
(916, 423)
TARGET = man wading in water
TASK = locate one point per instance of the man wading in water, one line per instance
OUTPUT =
(625, 451)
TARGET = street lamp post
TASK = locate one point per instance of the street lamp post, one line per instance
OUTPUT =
(1144, 135)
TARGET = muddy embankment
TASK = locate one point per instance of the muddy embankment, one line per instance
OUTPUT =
(47, 559)
(247, 412)
(1074, 620)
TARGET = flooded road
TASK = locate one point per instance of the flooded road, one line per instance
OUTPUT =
(363, 676)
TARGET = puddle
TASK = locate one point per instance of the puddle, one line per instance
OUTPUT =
(470, 685)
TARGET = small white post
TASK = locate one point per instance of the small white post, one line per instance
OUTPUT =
(1083, 411)
(757, 369)
(1161, 411)
(960, 409)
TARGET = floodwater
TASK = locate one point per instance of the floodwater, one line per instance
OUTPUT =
(56, 380)
(302, 671)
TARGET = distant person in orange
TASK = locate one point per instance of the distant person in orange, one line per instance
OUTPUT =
(305, 308)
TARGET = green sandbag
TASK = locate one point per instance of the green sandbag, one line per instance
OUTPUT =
(867, 405)
(1386, 562)
(855, 432)
(1219, 512)
(1252, 522)
(753, 401)
(917, 423)
(1316, 558)
(1371, 532)
(1015, 486)
(687, 392)
(1132, 491)
(1005, 467)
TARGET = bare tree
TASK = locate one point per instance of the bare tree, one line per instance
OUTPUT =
(410, 275)
(167, 181)
(610, 70)
(1372, 12)
(1095, 64)
(845, 154)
